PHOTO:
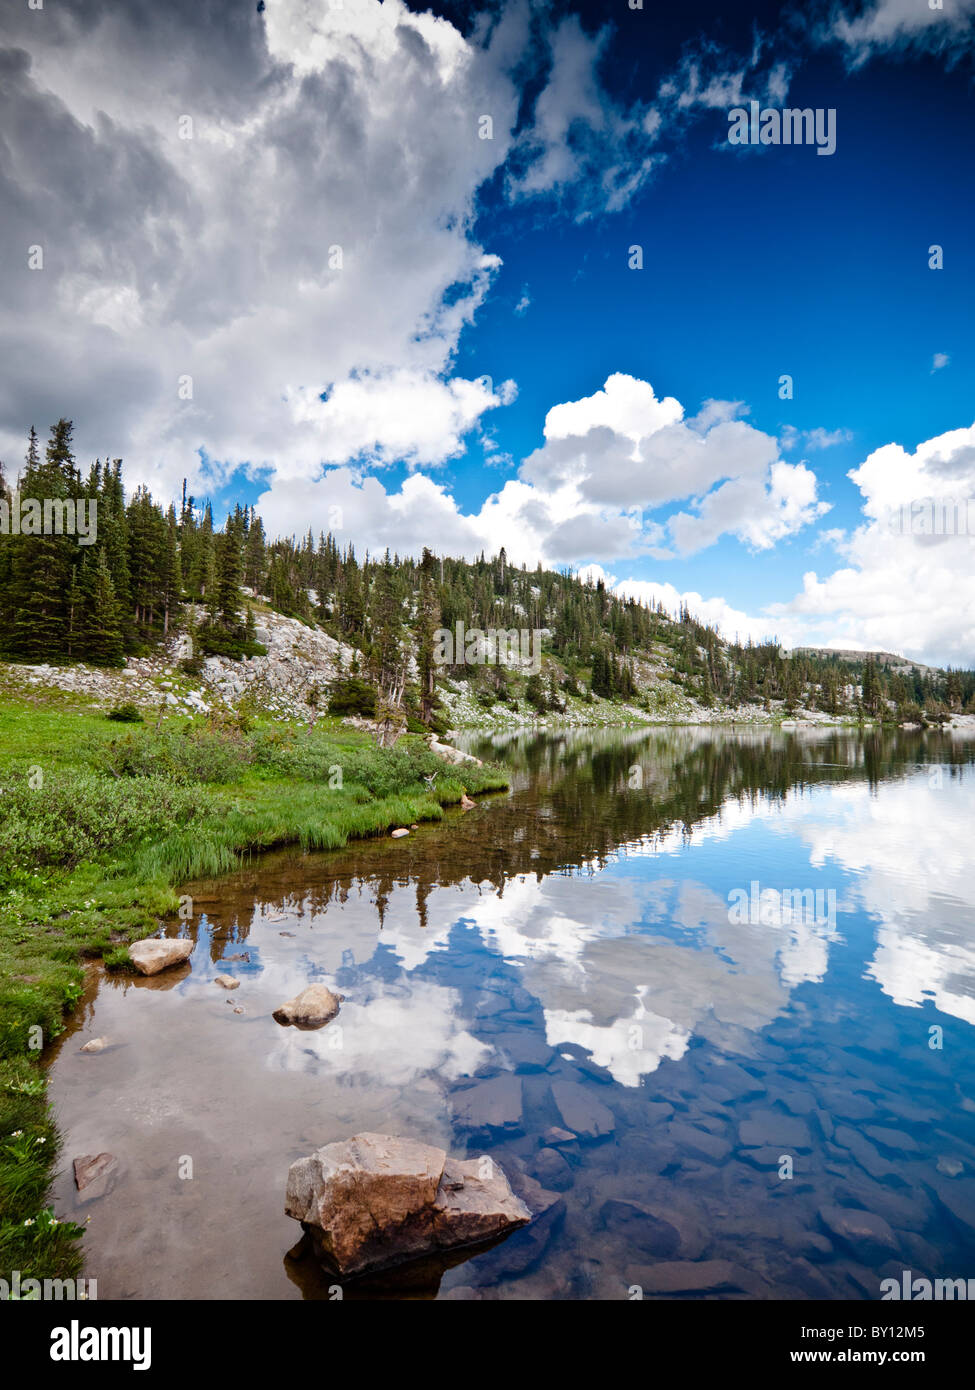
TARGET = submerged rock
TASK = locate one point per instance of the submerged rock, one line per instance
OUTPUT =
(375, 1201)
(94, 1175)
(466, 804)
(96, 1045)
(581, 1112)
(398, 834)
(159, 953)
(226, 981)
(490, 1105)
(863, 1231)
(312, 1008)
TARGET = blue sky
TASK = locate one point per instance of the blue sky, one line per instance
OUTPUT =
(349, 392)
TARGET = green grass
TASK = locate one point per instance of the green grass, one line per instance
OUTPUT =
(100, 823)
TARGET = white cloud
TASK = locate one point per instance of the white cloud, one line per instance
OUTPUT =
(903, 588)
(940, 359)
(893, 24)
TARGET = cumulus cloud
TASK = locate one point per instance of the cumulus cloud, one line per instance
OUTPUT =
(624, 448)
(940, 359)
(607, 461)
(909, 580)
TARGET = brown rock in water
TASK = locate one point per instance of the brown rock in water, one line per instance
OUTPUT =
(398, 834)
(375, 1201)
(226, 981)
(466, 804)
(159, 953)
(312, 1008)
(94, 1175)
(96, 1045)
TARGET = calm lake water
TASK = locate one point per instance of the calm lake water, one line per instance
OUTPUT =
(732, 1087)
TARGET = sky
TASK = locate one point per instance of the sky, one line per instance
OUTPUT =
(494, 274)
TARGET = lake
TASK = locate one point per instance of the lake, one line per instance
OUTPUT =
(712, 992)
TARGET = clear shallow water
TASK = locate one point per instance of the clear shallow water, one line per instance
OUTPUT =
(577, 930)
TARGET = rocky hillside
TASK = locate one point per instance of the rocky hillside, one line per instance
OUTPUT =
(292, 680)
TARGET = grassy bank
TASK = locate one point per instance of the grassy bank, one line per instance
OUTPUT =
(99, 824)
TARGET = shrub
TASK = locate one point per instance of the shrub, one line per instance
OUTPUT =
(126, 714)
(352, 695)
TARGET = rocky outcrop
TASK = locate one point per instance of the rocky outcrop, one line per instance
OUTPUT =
(312, 1008)
(159, 953)
(376, 1201)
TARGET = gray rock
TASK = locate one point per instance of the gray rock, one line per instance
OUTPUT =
(312, 1008)
(551, 1170)
(698, 1143)
(159, 953)
(581, 1112)
(493, 1105)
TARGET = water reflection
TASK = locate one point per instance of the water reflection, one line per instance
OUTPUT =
(576, 934)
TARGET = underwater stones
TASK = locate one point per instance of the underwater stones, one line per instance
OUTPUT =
(698, 1143)
(769, 1128)
(525, 1050)
(493, 1105)
(892, 1140)
(547, 1210)
(551, 1170)
(159, 953)
(96, 1045)
(660, 1231)
(375, 1201)
(312, 1008)
(226, 981)
(958, 1199)
(581, 1112)
(691, 1276)
(869, 1158)
(94, 1175)
(863, 1231)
